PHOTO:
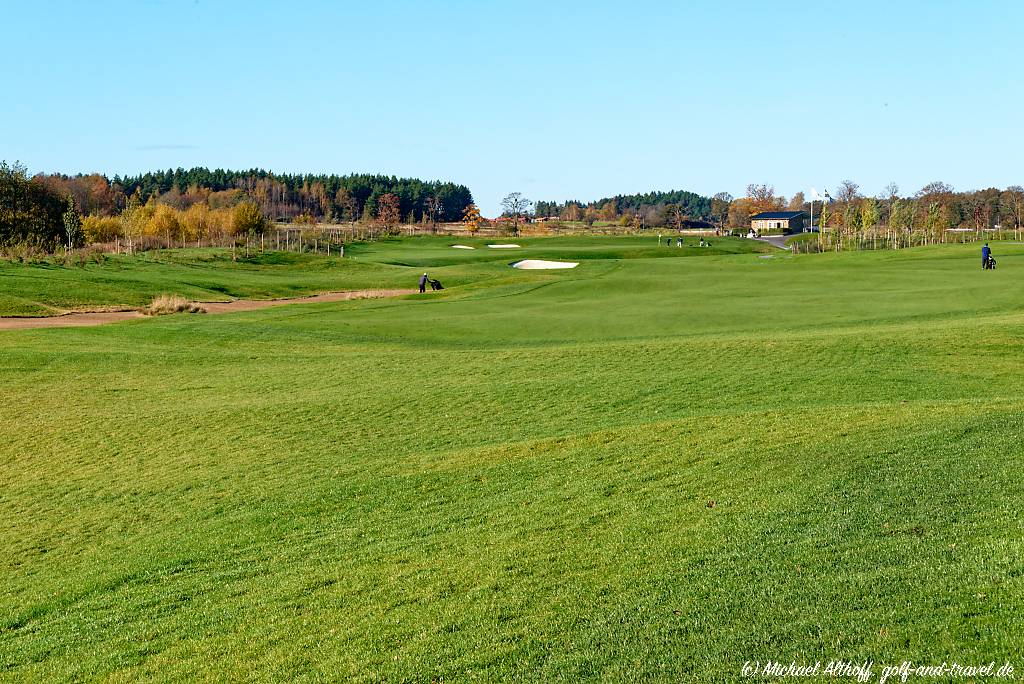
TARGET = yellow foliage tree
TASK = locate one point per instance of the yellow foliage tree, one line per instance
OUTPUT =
(101, 228)
(471, 217)
(247, 218)
(164, 223)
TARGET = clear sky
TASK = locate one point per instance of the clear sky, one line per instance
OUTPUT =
(557, 100)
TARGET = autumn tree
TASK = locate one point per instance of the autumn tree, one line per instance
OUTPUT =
(609, 211)
(674, 216)
(133, 219)
(868, 213)
(389, 210)
(164, 222)
(901, 214)
(347, 204)
(471, 217)
(762, 198)
(636, 221)
(247, 219)
(720, 208)
(740, 211)
(517, 208)
(851, 218)
(824, 217)
(797, 202)
(571, 212)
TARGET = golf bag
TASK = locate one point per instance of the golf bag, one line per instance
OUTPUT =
(436, 285)
(991, 263)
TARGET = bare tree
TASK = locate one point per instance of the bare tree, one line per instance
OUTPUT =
(848, 192)
(1013, 203)
(935, 189)
(434, 209)
(516, 207)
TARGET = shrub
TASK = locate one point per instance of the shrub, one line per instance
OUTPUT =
(171, 304)
(101, 228)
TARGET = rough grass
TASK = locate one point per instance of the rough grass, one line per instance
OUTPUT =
(171, 304)
(651, 470)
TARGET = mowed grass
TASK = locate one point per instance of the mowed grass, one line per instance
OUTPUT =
(216, 275)
(641, 469)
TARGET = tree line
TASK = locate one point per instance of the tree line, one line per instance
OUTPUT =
(184, 205)
(933, 209)
(649, 209)
(325, 197)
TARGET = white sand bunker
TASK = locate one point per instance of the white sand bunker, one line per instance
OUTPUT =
(533, 264)
(462, 247)
(504, 246)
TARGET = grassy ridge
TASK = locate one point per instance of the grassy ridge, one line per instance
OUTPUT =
(641, 469)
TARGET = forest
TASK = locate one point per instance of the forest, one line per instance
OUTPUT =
(652, 208)
(46, 210)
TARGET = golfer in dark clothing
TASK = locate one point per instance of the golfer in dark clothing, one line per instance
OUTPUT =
(423, 282)
(986, 254)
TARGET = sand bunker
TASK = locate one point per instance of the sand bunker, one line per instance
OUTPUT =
(533, 264)
(462, 247)
(504, 246)
(77, 319)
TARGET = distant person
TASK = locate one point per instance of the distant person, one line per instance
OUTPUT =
(436, 285)
(423, 282)
(702, 242)
(986, 254)
(668, 242)
(679, 242)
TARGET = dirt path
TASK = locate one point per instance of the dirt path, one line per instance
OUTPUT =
(76, 319)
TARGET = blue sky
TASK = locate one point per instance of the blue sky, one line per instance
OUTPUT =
(556, 100)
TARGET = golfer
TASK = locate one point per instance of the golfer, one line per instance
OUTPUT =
(986, 254)
(423, 282)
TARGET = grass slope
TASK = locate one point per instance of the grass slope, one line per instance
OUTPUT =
(643, 469)
(212, 275)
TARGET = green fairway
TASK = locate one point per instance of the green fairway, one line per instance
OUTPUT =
(213, 275)
(641, 469)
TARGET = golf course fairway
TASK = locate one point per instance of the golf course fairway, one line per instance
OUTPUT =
(644, 468)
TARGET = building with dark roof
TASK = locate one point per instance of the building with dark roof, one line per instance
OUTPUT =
(786, 221)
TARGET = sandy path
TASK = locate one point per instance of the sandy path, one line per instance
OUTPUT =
(81, 319)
